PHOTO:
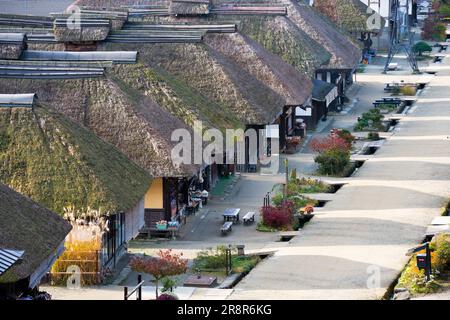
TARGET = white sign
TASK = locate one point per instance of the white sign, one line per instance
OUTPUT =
(300, 112)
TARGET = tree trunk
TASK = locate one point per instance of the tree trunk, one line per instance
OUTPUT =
(156, 284)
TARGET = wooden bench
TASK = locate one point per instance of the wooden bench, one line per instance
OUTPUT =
(226, 228)
(249, 218)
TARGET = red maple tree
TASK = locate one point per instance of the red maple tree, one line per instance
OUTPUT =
(330, 143)
(165, 265)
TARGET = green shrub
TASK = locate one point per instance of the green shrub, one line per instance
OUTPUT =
(261, 227)
(214, 260)
(211, 259)
(388, 107)
(421, 47)
(305, 185)
(298, 200)
(333, 162)
(370, 120)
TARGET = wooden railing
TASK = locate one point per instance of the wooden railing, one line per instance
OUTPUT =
(138, 290)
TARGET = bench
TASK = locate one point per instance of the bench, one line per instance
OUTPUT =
(226, 228)
(249, 218)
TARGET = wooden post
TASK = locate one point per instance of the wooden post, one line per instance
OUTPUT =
(428, 262)
(139, 294)
(125, 293)
(286, 168)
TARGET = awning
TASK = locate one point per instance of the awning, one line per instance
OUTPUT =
(8, 258)
(324, 91)
(17, 100)
(114, 56)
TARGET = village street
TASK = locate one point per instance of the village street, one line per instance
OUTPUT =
(361, 234)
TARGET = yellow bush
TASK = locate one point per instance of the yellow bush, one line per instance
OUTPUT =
(83, 254)
(408, 90)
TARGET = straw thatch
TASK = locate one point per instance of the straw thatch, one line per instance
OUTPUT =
(86, 30)
(189, 7)
(12, 45)
(117, 16)
(62, 165)
(344, 53)
(117, 113)
(350, 15)
(218, 78)
(29, 227)
(277, 34)
(268, 68)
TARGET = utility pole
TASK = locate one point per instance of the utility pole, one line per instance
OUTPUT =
(400, 35)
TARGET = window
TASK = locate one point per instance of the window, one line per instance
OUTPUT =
(115, 237)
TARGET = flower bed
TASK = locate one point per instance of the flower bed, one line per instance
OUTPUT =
(414, 279)
(213, 260)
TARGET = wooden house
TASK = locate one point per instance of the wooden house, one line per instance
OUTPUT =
(31, 239)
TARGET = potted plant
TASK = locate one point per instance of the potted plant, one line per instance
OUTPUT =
(161, 225)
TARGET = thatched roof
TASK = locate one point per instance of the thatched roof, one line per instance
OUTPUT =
(344, 53)
(27, 226)
(176, 96)
(189, 7)
(86, 30)
(277, 34)
(350, 15)
(217, 78)
(117, 17)
(117, 113)
(268, 68)
(12, 45)
(60, 164)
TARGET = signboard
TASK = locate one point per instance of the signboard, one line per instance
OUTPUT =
(300, 112)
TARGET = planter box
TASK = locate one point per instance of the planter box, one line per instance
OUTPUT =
(161, 227)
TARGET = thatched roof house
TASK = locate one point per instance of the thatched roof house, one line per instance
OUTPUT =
(350, 15)
(117, 17)
(28, 227)
(189, 7)
(12, 45)
(84, 30)
(218, 78)
(267, 67)
(345, 54)
(120, 114)
(64, 166)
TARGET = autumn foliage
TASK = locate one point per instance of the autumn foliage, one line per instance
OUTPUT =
(165, 265)
(278, 217)
(334, 151)
(329, 143)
